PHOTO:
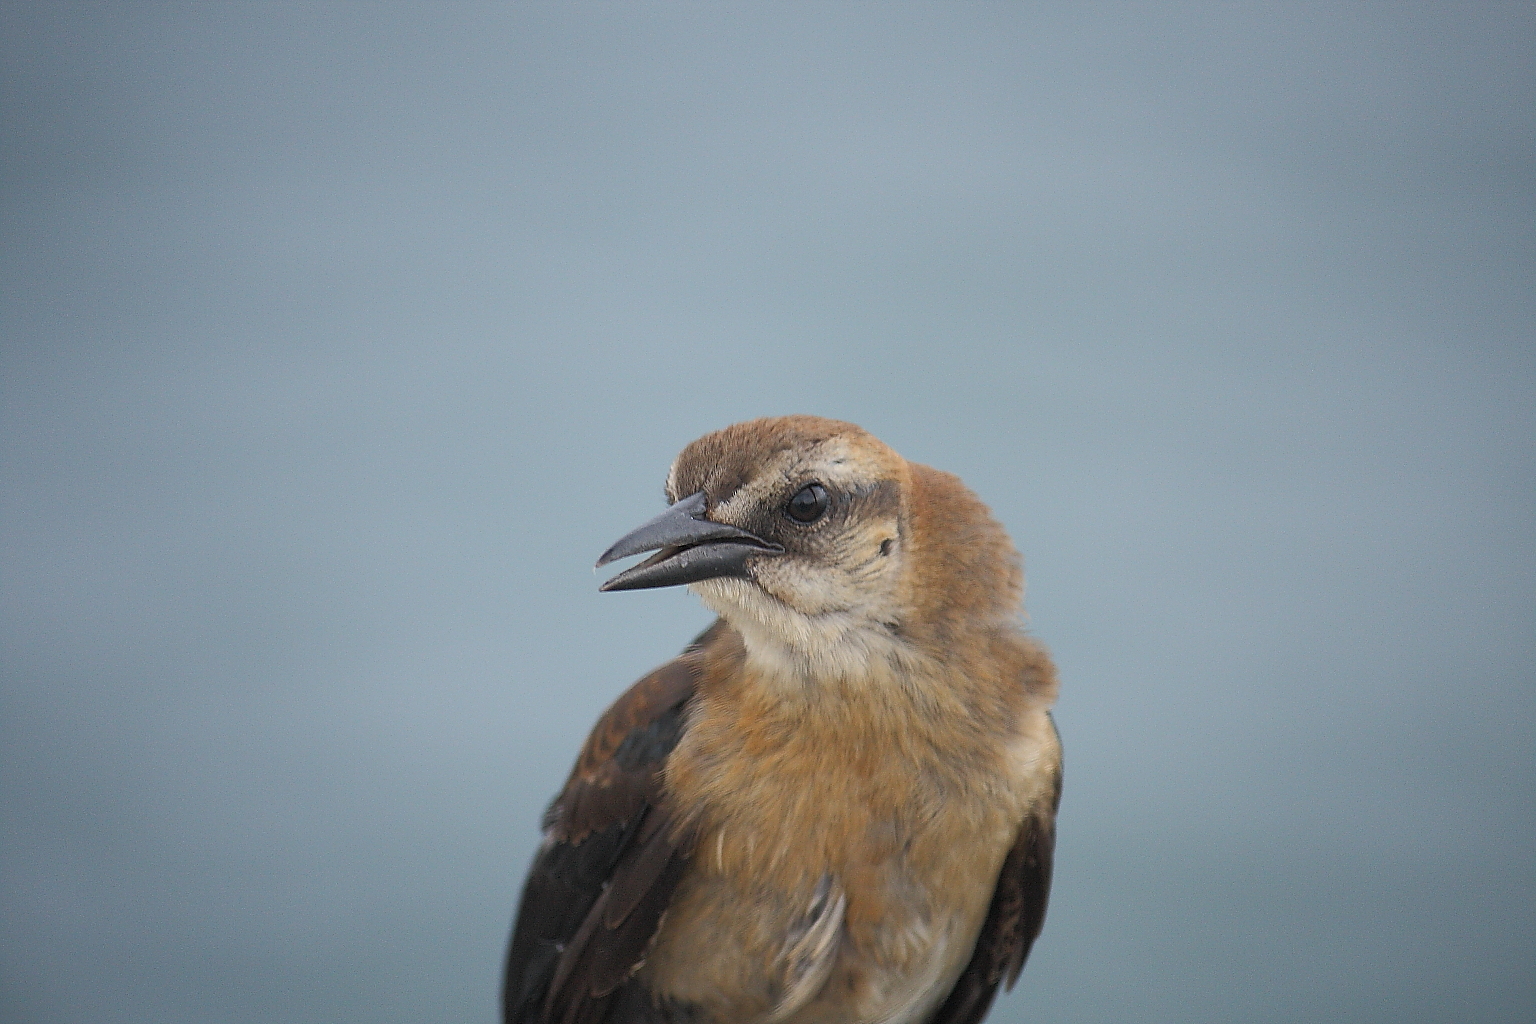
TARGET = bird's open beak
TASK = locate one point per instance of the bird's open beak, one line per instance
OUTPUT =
(688, 548)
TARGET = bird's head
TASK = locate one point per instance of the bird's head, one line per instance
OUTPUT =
(821, 545)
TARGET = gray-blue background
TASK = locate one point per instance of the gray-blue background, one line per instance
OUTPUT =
(338, 342)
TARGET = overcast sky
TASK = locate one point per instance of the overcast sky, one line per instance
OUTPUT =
(337, 343)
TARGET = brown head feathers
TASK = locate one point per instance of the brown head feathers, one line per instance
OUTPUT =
(902, 550)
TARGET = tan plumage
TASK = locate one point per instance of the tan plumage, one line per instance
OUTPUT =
(838, 805)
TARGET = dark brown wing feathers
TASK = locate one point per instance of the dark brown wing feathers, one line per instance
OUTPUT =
(609, 862)
(1013, 921)
(611, 942)
(619, 770)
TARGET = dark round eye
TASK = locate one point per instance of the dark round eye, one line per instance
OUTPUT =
(808, 505)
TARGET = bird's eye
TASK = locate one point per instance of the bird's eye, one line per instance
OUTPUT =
(808, 505)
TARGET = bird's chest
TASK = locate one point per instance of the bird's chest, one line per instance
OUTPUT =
(831, 881)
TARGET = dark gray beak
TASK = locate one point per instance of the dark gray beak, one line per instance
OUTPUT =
(688, 548)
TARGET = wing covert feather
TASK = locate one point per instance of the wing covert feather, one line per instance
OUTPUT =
(610, 859)
(1013, 921)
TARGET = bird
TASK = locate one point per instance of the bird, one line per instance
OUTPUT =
(838, 804)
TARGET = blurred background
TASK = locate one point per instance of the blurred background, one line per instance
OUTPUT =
(339, 340)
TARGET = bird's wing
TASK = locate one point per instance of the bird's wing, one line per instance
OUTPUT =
(609, 861)
(1013, 921)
